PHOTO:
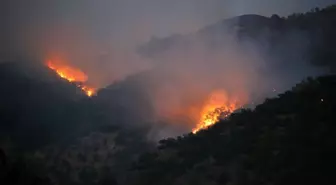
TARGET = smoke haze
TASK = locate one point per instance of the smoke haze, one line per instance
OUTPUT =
(112, 40)
(244, 70)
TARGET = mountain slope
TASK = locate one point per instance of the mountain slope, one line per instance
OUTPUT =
(289, 139)
(76, 140)
(51, 132)
(314, 28)
(286, 140)
(36, 105)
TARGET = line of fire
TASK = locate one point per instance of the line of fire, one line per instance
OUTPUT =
(217, 106)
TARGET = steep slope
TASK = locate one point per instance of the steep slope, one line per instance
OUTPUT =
(289, 139)
(36, 106)
(286, 140)
(76, 140)
(51, 132)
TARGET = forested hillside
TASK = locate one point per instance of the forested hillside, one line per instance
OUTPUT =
(289, 139)
(51, 133)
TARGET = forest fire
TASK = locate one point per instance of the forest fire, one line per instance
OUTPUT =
(72, 75)
(218, 106)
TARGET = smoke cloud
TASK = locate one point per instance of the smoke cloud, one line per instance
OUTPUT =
(189, 68)
(112, 40)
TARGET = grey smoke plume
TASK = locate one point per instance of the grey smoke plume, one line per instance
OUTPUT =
(223, 58)
(100, 37)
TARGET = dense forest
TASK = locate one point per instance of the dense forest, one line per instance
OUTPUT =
(51, 133)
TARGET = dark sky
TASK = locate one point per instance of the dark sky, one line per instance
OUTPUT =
(137, 20)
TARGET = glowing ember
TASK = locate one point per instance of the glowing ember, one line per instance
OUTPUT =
(72, 75)
(88, 90)
(217, 107)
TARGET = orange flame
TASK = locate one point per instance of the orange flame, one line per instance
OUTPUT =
(218, 106)
(88, 90)
(67, 72)
(72, 75)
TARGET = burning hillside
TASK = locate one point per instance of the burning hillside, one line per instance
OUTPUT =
(217, 106)
(72, 74)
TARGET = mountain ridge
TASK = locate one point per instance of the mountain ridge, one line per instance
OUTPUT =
(288, 139)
